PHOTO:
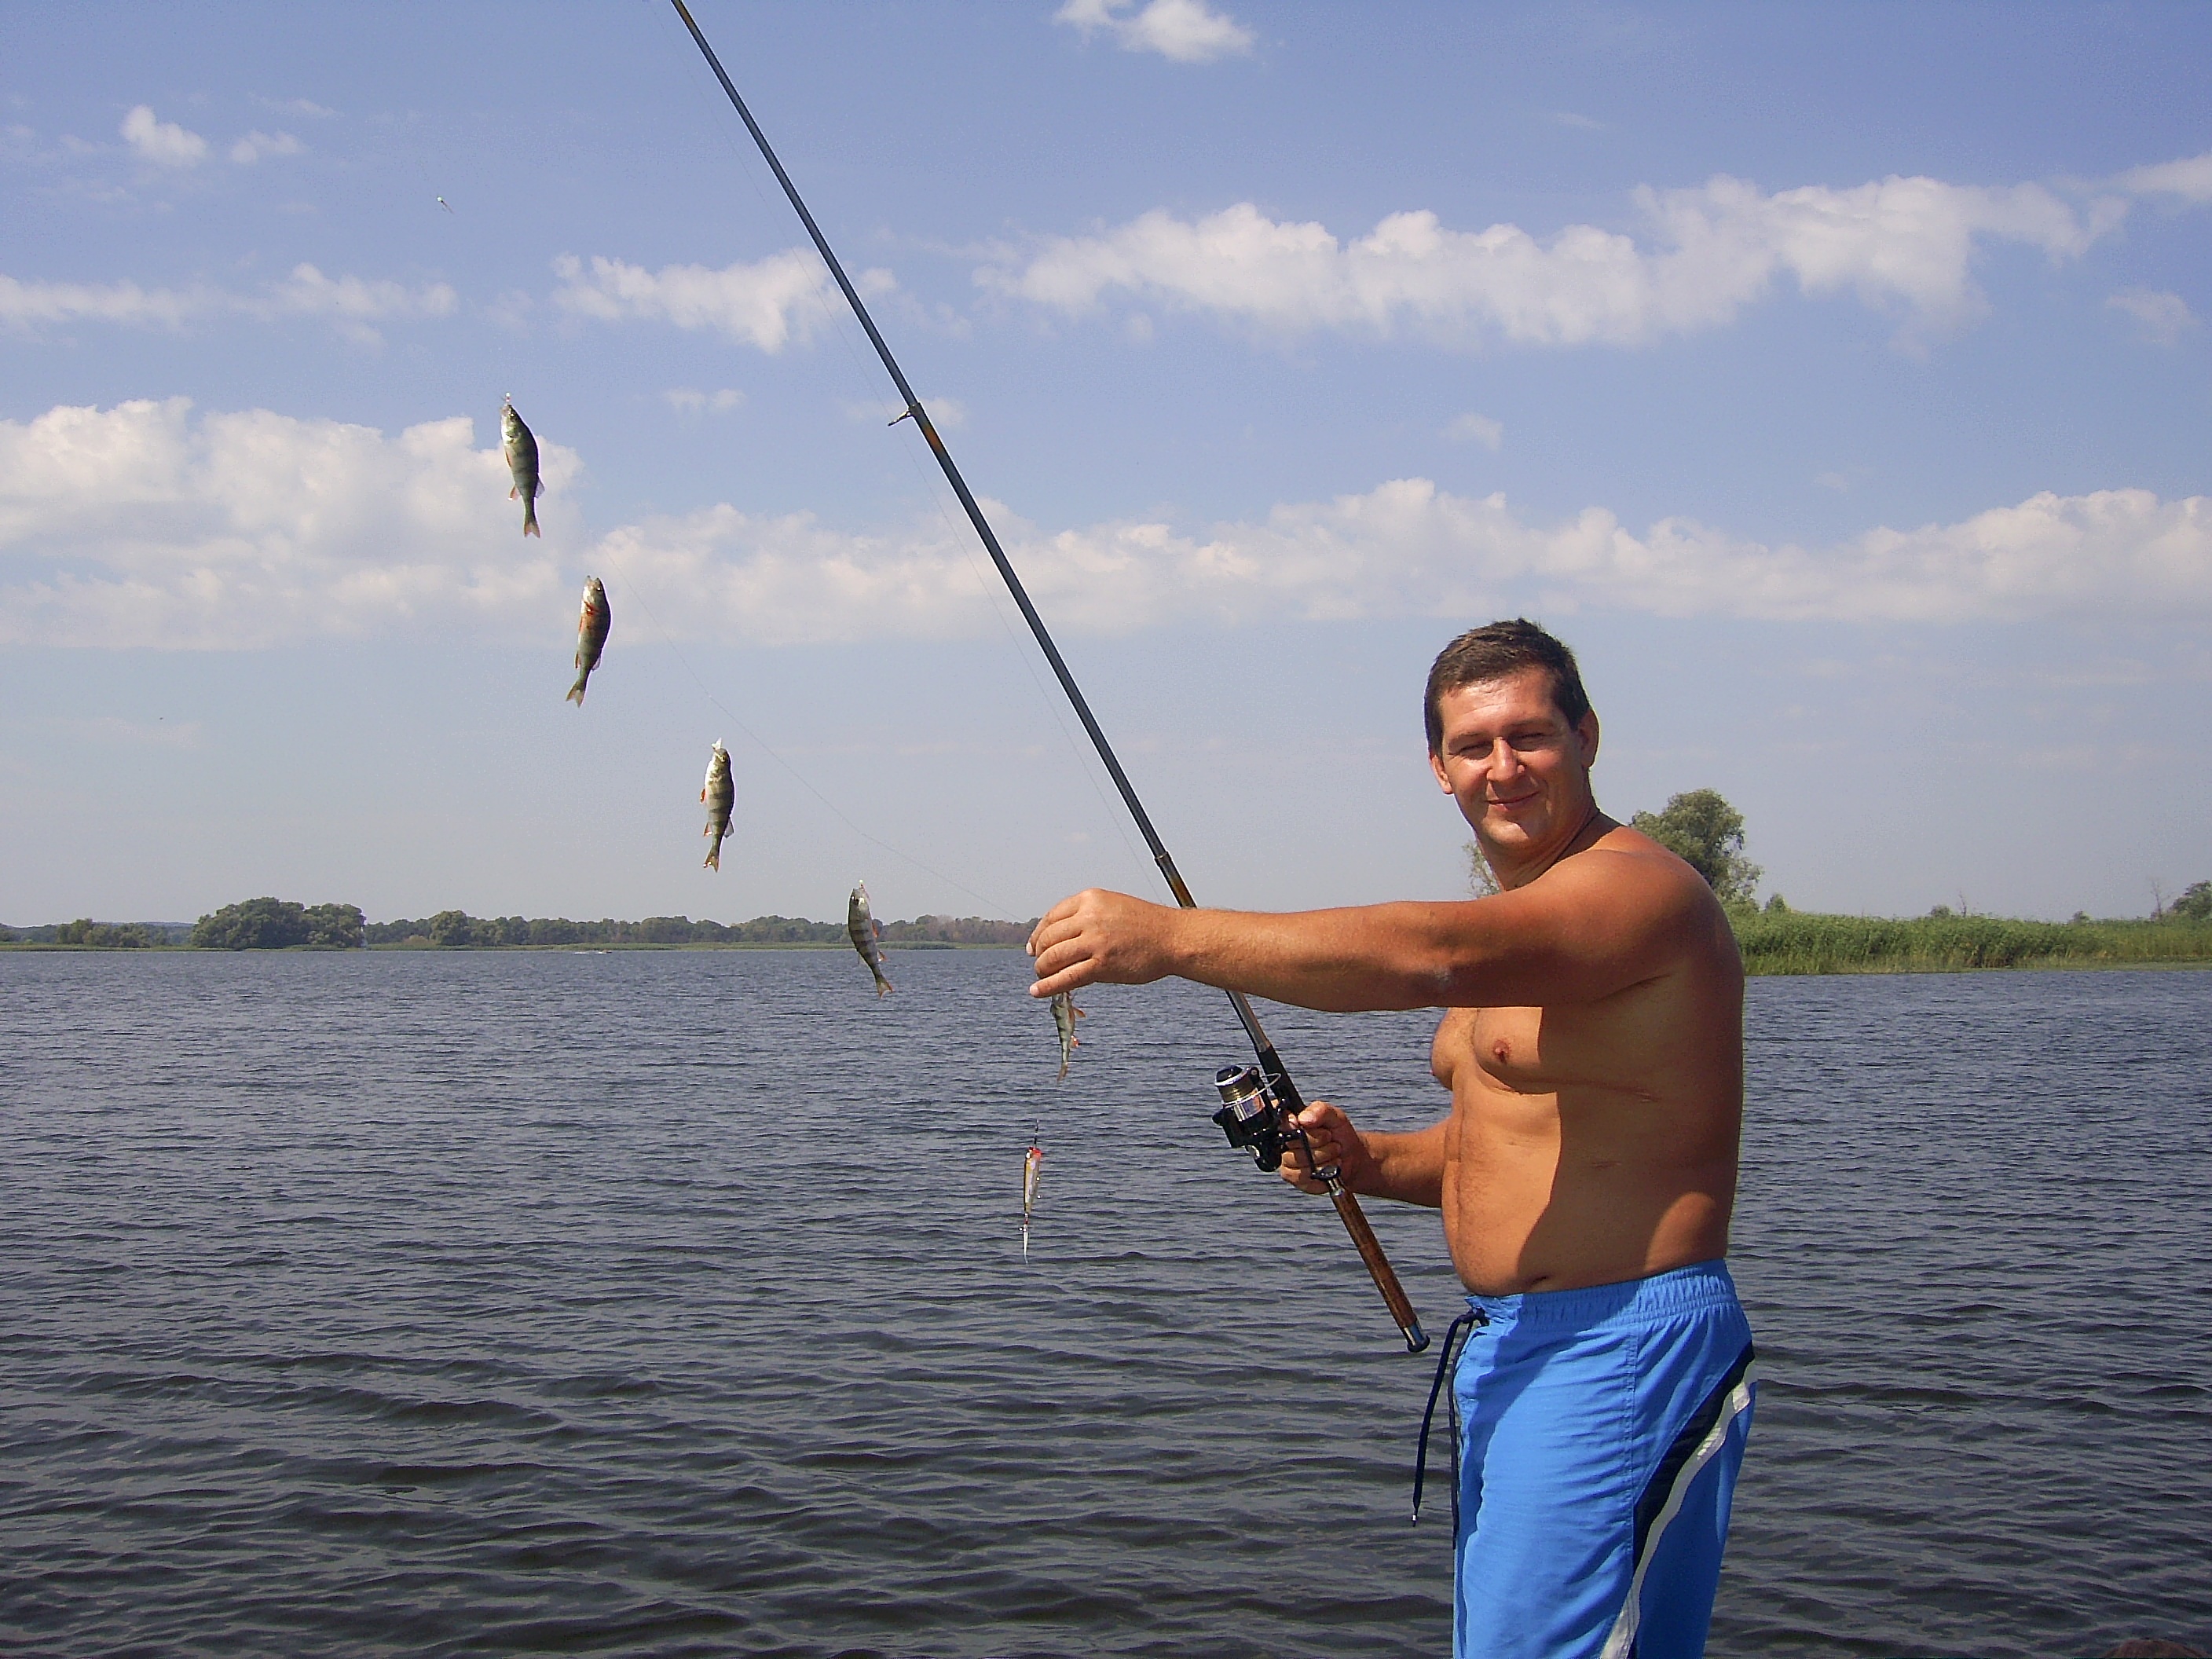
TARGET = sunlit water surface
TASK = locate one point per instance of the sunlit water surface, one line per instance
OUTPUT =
(675, 1303)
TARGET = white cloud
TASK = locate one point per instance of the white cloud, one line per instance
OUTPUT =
(2189, 179)
(1477, 429)
(687, 401)
(1186, 31)
(351, 303)
(256, 144)
(1407, 548)
(26, 307)
(2163, 317)
(162, 143)
(143, 525)
(768, 303)
(1900, 244)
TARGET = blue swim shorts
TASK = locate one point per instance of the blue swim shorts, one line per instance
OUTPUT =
(1600, 1434)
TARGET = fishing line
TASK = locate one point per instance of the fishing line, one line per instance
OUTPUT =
(707, 691)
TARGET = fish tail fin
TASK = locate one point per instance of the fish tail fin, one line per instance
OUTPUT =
(713, 859)
(530, 521)
(576, 692)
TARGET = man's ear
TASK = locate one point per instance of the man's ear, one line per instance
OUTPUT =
(1586, 730)
(1442, 777)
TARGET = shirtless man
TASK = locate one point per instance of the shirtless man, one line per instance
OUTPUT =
(1594, 1049)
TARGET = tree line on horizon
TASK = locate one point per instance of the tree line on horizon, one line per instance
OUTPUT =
(1697, 826)
(457, 928)
(274, 924)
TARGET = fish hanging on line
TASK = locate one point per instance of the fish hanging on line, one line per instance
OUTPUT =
(1065, 1013)
(860, 922)
(446, 204)
(720, 794)
(521, 449)
(591, 636)
(1032, 1163)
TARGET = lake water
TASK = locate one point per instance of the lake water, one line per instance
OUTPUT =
(675, 1302)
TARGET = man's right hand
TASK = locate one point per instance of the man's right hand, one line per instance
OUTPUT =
(1333, 1140)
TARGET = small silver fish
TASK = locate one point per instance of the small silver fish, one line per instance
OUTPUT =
(719, 795)
(1031, 1165)
(591, 636)
(861, 924)
(1065, 1013)
(522, 461)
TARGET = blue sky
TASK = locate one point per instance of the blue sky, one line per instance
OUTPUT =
(1834, 379)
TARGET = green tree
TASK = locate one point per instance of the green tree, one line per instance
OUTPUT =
(104, 935)
(258, 924)
(2194, 903)
(451, 928)
(333, 927)
(1701, 829)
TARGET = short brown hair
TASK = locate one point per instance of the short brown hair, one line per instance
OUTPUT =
(1491, 653)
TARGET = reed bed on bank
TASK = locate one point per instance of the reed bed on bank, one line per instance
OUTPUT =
(1797, 942)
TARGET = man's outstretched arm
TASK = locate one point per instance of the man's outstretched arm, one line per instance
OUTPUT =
(1600, 922)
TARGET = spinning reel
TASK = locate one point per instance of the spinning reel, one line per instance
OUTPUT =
(1260, 1113)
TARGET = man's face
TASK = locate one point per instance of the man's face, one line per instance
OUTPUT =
(1519, 771)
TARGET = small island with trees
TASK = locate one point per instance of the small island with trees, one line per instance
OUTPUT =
(1699, 826)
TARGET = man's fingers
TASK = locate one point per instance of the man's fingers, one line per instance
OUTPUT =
(1049, 929)
(1053, 957)
(1069, 979)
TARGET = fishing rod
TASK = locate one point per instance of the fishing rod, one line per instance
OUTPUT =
(1260, 1103)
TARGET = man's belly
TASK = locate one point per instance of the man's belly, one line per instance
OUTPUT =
(1525, 1213)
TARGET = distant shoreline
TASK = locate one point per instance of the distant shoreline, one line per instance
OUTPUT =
(1784, 944)
(426, 948)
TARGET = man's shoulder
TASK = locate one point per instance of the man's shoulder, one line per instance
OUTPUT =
(1658, 898)
(1626, 860)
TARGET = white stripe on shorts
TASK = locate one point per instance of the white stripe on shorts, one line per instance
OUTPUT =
(1623, 1636)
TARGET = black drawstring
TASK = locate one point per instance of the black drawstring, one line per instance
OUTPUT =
(1464, 1325)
